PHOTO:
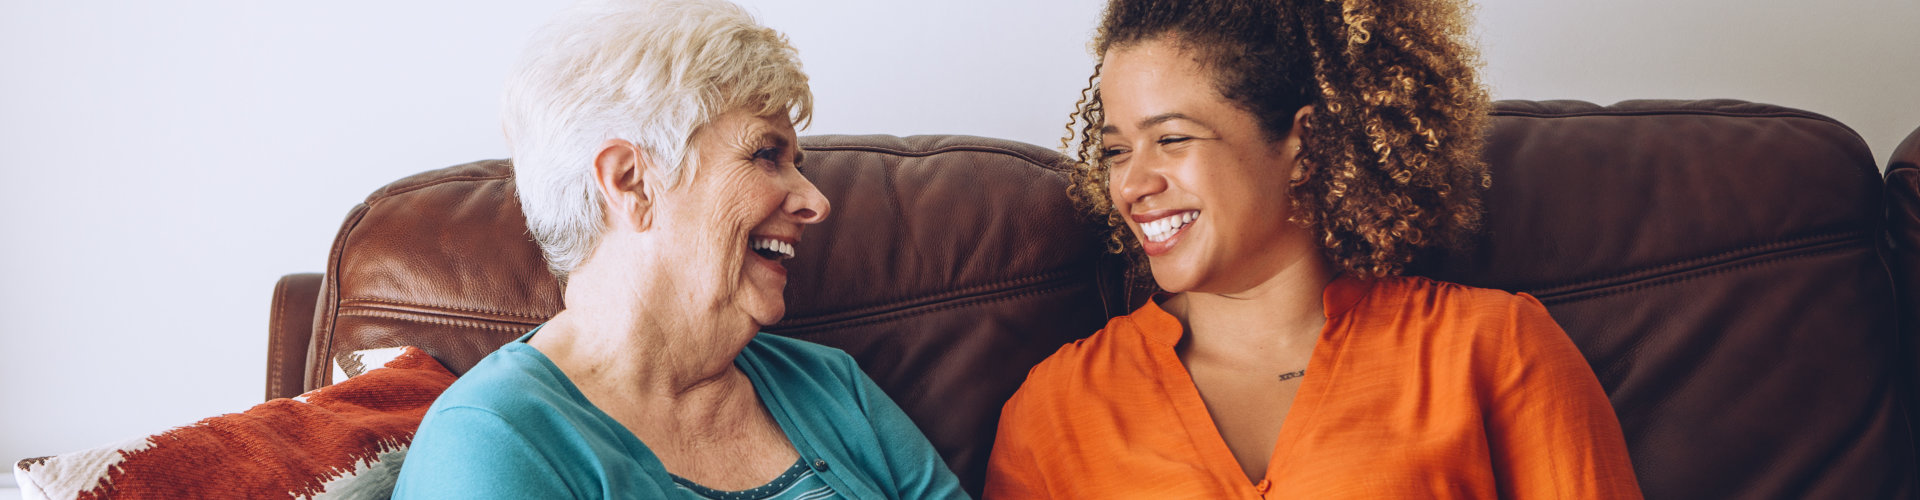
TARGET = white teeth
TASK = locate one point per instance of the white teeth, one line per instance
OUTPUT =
(1161, 229)
(780, 247)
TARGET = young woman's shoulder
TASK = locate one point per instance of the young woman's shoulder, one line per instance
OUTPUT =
(1117, 351)
(1490, 329)
(1456, 302)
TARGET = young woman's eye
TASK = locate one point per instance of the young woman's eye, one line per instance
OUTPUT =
(1173, 140)
(1109, 153)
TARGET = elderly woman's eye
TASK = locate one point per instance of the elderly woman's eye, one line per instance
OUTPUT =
(768, 154)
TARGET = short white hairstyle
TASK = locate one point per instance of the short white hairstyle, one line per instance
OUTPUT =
(651, 72)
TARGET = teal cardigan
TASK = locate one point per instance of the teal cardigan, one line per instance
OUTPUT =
(515, 427)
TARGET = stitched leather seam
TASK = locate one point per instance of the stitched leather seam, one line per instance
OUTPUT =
(1028, 281)
(1705, 271)
(957, 294)
(924, 310)
(430, 308)
(996, 292)
(274, 339)
(1621, 362)
(435, 320)
(1669, 112)
(961, 294)
(943, 149)
(318, 374)
(1574, 286)
(443, 180)
(1699, 112)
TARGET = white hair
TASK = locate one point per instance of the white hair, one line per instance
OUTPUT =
(648, 72)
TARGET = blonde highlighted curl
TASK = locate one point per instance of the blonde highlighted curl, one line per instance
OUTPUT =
(1392, 148)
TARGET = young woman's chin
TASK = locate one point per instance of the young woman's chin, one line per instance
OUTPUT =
(1172, 277)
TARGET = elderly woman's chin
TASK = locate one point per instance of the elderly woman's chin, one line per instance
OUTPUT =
(764, 298)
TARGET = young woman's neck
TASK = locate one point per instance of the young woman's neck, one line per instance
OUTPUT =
(1283, 311)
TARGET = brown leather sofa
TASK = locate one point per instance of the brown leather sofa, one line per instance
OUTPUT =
(1729, 269)
(1903, 232)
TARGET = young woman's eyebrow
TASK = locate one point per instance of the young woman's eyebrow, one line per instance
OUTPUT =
(1151, 121)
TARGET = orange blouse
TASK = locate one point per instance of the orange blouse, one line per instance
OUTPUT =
(1416, 389)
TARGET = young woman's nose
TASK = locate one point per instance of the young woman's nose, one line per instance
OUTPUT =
(1138, 179)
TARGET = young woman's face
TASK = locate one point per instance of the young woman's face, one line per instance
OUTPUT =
(1199, 184)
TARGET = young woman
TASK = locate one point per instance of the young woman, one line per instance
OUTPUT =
(1277, 164)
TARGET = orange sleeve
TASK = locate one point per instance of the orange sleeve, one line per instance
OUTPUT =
(1012, 472)
(1551, 430)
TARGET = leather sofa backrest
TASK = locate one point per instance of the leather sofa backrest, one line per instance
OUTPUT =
(1718, 262)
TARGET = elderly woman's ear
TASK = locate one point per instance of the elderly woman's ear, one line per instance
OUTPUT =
(620, 172)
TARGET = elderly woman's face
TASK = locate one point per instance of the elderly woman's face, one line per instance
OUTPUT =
(741, 214)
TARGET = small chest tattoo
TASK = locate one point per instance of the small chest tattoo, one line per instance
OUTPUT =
(1292, 375)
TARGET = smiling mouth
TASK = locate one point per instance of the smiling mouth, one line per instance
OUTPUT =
(1161, 229)
(771, 249)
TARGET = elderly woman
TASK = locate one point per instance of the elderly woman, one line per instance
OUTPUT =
(656, 160)
(1277, 164)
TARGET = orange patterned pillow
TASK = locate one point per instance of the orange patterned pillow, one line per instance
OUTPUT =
(347, 439)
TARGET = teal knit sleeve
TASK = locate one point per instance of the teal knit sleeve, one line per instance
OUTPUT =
(919, 470)
(464, 452)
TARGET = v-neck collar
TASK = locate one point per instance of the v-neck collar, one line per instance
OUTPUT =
(1163, 330)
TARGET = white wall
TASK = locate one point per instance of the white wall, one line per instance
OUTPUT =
(1857, 61)
(165, 163)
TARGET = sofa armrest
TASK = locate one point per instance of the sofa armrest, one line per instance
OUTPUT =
(1907, 154)
(1903, 232)
(289, 329)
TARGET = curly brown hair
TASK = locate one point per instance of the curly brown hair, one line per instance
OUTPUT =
(1391, 150)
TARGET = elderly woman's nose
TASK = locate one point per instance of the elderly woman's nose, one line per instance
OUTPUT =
(808, 204)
